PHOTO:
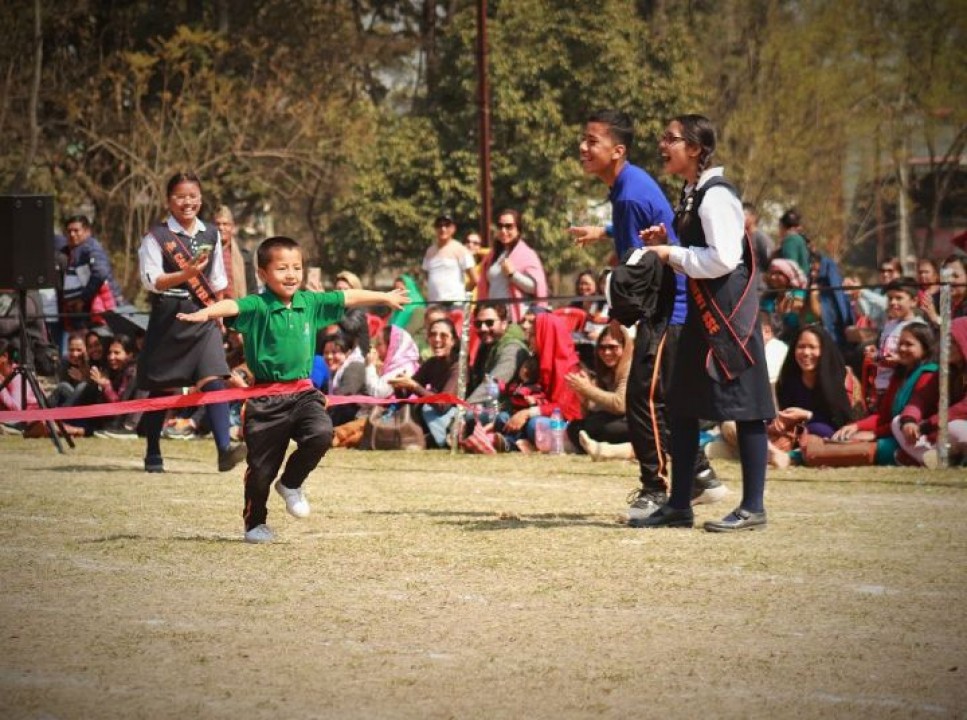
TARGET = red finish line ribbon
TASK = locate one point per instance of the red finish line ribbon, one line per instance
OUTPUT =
(81, 412)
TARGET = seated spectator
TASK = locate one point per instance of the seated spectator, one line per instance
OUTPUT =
(954, 271)
(393, 353)
(512, 269)
(915, 368)
(45, 353)
(355, 322)
(95, 348)
(916, 427)
(116, 384)
(347, 375)
(813, 394)
(603, 431)
(928, 274)
(785, 298)
(557, 358)
(827, 301)
(437, 374)
(11, 397)
(500, 350)
(901, 298)
(433, 313)
(776, 349)
(74, 375)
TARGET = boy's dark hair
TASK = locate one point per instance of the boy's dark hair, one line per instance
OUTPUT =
(268, 247)
(699, 131)
(903, 284)
(181, 177)
(498, 308)
(82, 219)
(620, 126)
(790, 218)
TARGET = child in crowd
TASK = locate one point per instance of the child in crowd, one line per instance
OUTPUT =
(915, 369)
(901, 308)
(74, 374)
(525, 391)
(279, 327)
(915, 427)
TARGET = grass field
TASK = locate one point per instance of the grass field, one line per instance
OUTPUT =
(431, 586)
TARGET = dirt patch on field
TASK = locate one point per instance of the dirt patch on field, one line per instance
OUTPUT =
(431, 586)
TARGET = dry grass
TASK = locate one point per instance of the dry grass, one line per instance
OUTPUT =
(431, 586)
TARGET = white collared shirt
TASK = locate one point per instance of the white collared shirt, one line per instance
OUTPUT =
(724, 226)
(151, 259)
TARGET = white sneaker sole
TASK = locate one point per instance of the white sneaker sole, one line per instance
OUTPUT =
(711, 495)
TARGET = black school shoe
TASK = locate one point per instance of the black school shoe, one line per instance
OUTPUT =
(665, 516)
(154, 464)
(231, 456)
(738, 519)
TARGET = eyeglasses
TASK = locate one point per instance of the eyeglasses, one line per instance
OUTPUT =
(669, 139)
(606, 347)
(484, 323)
(506, 226)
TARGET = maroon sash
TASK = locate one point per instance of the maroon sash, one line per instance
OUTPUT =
(174, 250)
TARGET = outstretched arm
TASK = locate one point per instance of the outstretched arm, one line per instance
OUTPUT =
(221, 309)
(395, 299)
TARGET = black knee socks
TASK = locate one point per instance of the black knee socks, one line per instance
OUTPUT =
(218, 416)
(753, 453)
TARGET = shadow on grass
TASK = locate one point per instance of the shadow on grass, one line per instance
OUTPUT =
(475, 520)
(121, 537)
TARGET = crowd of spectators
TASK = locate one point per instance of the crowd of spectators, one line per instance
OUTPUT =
(850, 358)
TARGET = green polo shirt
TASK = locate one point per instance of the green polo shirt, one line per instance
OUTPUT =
(280, 341)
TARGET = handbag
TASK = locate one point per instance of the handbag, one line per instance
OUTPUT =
(392, 428)
(817, 452)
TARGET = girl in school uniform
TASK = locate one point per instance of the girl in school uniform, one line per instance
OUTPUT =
(182, 274)
(721, 369)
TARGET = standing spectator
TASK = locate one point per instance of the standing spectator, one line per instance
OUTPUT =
(637, 202)
(721, 372)
(512, 269)
(87, 275)
(238, 261)
(794, 245)
(448, 265)
(183, 272)
(827, 300)
(761, 243)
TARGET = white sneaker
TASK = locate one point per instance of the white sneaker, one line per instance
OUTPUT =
(295, 500)
(259, 534)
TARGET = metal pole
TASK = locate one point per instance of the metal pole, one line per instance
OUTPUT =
(483, 115)
(460, 420)
(943, 405)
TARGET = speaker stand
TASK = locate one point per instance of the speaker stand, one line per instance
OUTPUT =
(25, 373)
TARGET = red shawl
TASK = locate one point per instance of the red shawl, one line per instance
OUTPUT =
(557, 357)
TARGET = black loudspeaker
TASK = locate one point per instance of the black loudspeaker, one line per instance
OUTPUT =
(27, 242)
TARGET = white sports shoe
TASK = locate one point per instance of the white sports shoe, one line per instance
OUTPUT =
(259, 534)
(295, 500)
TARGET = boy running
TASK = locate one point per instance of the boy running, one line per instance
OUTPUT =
(279, 328)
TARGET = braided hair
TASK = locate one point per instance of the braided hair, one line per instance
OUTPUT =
(698, 131)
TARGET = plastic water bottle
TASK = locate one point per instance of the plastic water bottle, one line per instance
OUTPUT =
(492, 400)
(557, 432)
